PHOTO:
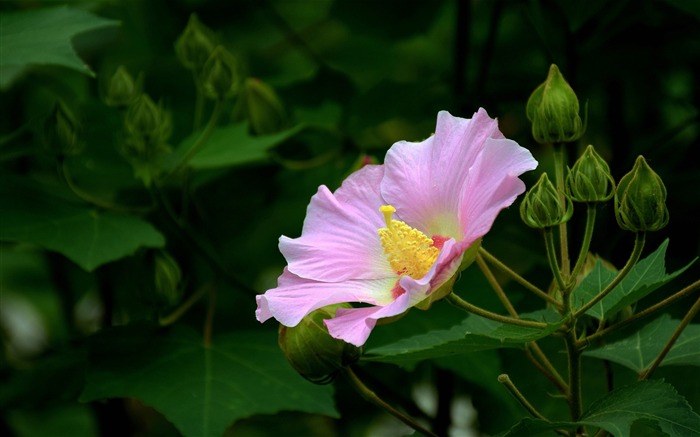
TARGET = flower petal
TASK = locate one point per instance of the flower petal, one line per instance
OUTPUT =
(354, 325)
(296, 297)
(424, 180)
(339, 240)
(492, 184)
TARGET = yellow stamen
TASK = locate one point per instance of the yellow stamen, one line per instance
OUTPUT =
(409, 251)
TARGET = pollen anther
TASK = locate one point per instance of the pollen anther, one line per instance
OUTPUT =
(409, 251)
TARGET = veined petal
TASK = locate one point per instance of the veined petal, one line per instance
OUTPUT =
(492, 184)
(339, 240)
(354, 325)
(296, 297)
(424, 180)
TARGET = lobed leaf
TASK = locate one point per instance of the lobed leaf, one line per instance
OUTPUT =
(201, 390)
(648, 275)
(43, 37)
(640, 349)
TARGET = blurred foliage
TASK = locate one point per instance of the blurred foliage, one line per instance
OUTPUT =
(321, 87)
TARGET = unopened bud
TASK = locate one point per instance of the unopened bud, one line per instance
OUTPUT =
(640, 199)
(122, 89)
(542, 206)
(148, 128)
(311, 350)
(219, 77)
(62, 131)
(167, 278)
(260, 105)
(553, 110)
(589, 180)
(195, 44)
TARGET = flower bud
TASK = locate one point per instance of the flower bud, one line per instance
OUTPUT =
(61, 131)
(542, 208)
(640, 199)
(590, 180)
(553, 110)
(311, 350)
(148, 128)
(259, 104)
(167, 278)
(195, 44)
(219, 76)
(122, 89)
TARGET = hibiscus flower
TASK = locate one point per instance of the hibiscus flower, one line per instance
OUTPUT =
(394, 234)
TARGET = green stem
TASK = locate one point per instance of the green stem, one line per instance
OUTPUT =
(209, 320)
(554, 264)
(203, 137)
(519, 279)
(540, 360)
(371, 396)
(586, 243)
(466, 306)
(559, 164)
(496, 286)
(667, 348)
(522, 400)
(640, 315)
(184, 306)
(574, 357)
(640, 238)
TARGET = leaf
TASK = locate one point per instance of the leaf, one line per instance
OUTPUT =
(88, 236)
(648, 275)
(473, 334)
(43, 37)
(233, 145)
(654, 401)
(529, 427)
(200, 390)
(640, 349)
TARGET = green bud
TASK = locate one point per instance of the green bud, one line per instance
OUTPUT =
(219, 76)
(640, 199)
(167, 278)
(311, 350)
(542, 208)
(553, 110)
(148, 128)
(122, 89)
(590, 180)
(260, 105)
(195, 44)
(61, 131)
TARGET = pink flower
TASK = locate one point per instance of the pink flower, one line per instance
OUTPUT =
(394, 233)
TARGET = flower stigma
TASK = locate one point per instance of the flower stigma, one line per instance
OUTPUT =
(409, 251)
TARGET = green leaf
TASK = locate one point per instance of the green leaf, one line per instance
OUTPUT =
(529, 427)
(88, 236)
(640, 349)
(473, 334)
(43, 37)
(648, 275)
(232, 145)
(654, 401)
(201, 390)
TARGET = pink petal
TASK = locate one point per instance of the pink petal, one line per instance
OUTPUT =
(354, 325)
(339, 240)
(423, 180)
(296, 297)
(492, 184)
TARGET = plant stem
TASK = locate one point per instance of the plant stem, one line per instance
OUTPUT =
(586, 243)
(209, 320)
(519, 279)
(371, 396)
(466, 306)
(541, 362)
(640, 238)
(184, 306)
(508, 384)
(559, 164)
(496, 286)
(640, 315)
(554, 264)
(203, 137)
(574, 357)
(667, 348)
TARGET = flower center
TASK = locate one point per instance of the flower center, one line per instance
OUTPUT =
(409, 251)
